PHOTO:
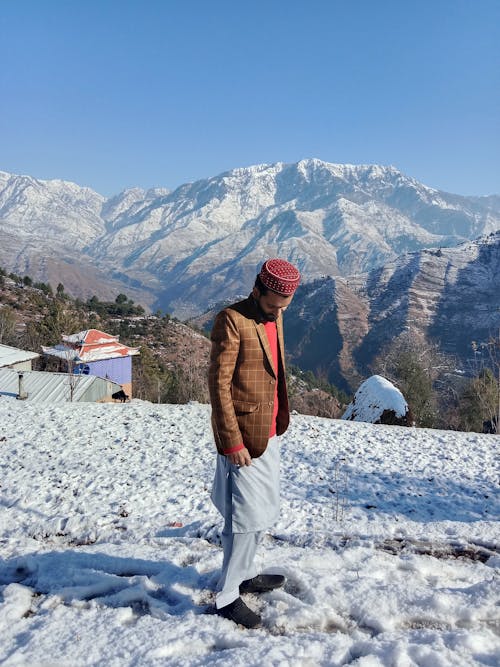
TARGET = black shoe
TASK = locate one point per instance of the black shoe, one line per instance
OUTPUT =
(238, 612)
(262, 583)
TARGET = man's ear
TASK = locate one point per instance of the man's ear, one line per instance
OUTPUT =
(255, 292)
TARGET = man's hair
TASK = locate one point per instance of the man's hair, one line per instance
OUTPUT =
(260, 286)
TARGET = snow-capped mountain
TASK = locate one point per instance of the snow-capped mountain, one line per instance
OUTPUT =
(55, 212)
(44, 226)
(205, 240)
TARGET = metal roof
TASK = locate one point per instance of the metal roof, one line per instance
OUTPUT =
(13, 355)
(42, 386)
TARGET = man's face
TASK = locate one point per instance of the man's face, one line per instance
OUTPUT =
(271, 304)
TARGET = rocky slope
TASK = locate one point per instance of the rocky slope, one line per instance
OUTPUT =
(451, 295)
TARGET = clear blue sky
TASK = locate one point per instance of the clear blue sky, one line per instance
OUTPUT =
(120, 93)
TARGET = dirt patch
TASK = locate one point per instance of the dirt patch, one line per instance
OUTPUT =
(471, 552)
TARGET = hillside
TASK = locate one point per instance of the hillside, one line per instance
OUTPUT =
(110, 549)
(449, 296)
(173, 363)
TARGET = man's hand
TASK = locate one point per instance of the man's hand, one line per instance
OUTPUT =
(241, 458)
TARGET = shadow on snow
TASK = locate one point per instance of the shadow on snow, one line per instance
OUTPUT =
(147, 587)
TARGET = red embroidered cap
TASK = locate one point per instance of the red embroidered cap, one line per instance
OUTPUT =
(280, 276)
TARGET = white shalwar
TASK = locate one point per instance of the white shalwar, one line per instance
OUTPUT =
(248, 497)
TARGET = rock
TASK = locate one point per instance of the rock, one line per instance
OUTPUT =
(378, 401)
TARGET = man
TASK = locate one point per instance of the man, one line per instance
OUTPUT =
(249, 412)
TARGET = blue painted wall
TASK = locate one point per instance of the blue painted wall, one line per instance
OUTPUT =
(118, 370)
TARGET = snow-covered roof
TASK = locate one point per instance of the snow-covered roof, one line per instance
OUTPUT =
(42, 386)
(13, 355)
(91, 337)
(373, 397)
(90, 345)
(63, 352)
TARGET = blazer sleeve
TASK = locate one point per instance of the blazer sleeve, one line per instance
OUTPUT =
(223, 358)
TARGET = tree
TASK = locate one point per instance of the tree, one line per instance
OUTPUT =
(493, 346)
(186, 383)
(44, 287)
(58, 320)
(147, 376)
(480, 400)
(416, 367)
(7, 326)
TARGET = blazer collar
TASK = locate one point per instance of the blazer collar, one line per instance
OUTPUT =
(249, 308)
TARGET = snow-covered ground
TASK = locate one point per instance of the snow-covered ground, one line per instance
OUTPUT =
(109, 548)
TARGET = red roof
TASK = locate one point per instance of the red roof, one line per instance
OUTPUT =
(92, 345)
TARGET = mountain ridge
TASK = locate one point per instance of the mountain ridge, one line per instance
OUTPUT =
(182, 249)
(379, 252)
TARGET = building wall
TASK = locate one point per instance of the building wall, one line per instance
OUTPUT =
(22, 366)
(118, 370)
(99, 392)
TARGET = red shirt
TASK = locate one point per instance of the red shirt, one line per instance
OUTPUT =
(272, 337)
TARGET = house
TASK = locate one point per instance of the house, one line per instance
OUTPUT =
(96, 353)
(42, 387)
(13, 357)
(17, 380)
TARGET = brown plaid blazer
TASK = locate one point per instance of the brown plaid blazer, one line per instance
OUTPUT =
(242, 380)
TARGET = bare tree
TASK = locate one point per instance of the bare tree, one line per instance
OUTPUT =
(480, 400)
(420, 371)
(73, 369)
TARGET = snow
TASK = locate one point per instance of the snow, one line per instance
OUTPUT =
(110, 552)
(375, 395)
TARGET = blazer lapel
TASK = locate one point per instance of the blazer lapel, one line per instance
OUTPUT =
(264, 341)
